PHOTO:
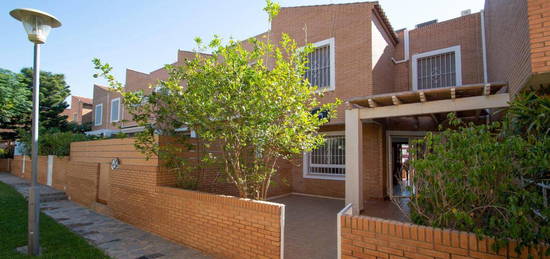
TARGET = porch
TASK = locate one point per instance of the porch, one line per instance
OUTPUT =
(379, 127)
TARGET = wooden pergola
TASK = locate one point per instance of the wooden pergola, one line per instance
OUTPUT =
(474, 97)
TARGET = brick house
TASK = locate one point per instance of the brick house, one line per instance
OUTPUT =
(80, 111)
(398, 85)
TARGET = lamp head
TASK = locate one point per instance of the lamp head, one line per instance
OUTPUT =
(37, 23)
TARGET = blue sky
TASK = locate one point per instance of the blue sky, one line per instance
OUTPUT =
(144, 35)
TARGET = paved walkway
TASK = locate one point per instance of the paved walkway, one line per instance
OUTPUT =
(310, 227)
(116, 238)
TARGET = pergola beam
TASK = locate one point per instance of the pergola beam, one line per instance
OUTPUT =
(440, 106)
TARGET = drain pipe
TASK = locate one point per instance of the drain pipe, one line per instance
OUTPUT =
(405, 48)
(483, 47)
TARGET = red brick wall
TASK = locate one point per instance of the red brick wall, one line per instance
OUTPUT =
(103, 151)
(58, 171)
(367, 237)
(82, 182)
(538, 12)
(374, 173)
(224, 226)
(5, 165)
(464, 31)
(350, 26)
(508, 50)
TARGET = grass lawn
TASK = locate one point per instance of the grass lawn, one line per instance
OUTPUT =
(56, 240)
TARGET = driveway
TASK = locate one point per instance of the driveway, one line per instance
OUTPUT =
(310, 226)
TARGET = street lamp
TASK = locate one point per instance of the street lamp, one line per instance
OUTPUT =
(38, 25)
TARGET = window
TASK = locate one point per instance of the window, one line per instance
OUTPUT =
(329, 160)
(438, 68)
(321, 70)
(115, 110)
(75, 117)
(98, 114)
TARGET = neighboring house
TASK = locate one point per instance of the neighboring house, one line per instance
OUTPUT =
(80, 111)
(398, 85)
(109, 115)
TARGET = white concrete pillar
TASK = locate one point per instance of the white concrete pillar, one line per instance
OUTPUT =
(354, 161)
(50, 170)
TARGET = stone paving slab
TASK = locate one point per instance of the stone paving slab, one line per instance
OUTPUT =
(116, 238)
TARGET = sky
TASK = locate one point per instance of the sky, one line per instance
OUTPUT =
(144, 35)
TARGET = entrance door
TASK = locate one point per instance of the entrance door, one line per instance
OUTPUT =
(399, 170)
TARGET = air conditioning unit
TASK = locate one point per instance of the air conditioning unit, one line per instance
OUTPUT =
(466, 12)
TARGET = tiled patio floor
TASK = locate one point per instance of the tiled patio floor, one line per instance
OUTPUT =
(310, 224)
(387, 210)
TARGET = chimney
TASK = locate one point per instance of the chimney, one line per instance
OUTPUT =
(465, 12)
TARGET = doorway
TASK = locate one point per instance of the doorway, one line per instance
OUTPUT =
(400, 172)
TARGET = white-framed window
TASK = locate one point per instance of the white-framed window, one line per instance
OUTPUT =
(438, 68)
(329, 160)
(321, 65)
(75, 117)
(98, 115)
(115, 110)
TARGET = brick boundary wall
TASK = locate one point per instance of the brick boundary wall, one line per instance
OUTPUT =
(59, 170)
(5, 164)
(82, 182)
(220, 225)
(368, 237)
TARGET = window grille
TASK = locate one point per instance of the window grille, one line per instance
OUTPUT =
(436, 71)
(330, 158)
(318, 72)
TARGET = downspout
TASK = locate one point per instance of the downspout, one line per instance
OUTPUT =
(483, 47)
(484, 54)
(405, 48)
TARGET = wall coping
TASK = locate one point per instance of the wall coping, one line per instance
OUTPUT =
(264, 206)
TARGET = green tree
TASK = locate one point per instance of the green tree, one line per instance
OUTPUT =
(53, 92)
(15, 102)
(252, 102)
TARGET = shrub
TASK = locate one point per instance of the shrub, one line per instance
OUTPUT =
(485, 179)
(57, 143)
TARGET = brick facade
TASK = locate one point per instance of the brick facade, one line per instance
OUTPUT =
(80, 111)
(538, 12)
(365, 45)
(367, 237)
(102, 95)
(464, 31)
(509, 59)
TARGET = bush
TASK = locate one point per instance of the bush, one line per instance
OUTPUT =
(57, 143)
(485, 179)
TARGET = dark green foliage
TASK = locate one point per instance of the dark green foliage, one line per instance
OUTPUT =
(79, 128)
(54, 143)
(15, 101)
(56, 240)
(53, 92)
(483, 178)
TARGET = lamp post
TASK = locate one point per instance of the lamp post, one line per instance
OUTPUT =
(38, 25)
